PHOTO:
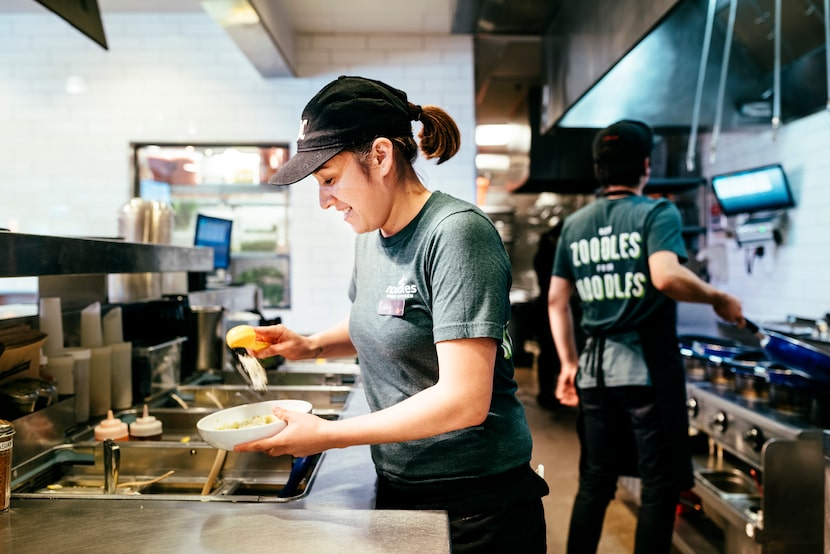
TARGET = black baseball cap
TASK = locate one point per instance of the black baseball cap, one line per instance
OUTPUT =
(623, 142)
(348, 112)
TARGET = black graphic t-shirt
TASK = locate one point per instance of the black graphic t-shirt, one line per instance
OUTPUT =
(604, 251)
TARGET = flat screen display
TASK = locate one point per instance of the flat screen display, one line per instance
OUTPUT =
(753, 190)
(215, 232)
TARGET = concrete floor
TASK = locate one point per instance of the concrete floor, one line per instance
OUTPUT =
(555, 446)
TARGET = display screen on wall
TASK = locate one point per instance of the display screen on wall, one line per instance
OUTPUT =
(215, 233)
(753, 190)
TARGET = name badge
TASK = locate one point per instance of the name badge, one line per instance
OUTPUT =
(389, 306)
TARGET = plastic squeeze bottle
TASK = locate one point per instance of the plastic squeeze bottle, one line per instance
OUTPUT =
(146, 428)
(112, 428)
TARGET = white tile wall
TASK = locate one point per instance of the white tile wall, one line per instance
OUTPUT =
(178, 77)
(793, 278)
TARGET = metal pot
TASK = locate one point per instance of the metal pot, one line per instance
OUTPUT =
(24, 396)
(790, 390)
(704, 356)
(750, 378)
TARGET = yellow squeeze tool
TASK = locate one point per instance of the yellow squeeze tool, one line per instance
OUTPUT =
(243, 336)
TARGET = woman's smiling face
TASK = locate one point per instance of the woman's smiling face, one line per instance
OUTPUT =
(359, 194)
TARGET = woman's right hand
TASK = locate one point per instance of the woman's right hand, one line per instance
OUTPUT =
(334, 342)
(283, 342)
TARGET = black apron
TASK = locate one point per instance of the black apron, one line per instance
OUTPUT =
(658, 336)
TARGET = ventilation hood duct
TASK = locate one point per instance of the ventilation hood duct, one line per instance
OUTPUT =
(259, 29)
(656, 80)
(561, 160)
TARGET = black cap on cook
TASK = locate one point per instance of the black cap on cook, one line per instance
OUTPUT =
(348, 112)
(625, 141)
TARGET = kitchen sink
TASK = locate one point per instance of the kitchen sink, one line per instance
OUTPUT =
(729, 482)
(77, 470)
(177, 467)
(729, 496)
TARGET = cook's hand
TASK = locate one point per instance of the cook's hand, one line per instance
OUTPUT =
(566, 386)
(729, 309)
(302, 436)
(283, 342)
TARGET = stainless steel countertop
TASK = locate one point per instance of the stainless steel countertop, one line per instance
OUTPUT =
(336, 515)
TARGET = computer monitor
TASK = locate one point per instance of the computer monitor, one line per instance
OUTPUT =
(215, 233)
(749, 191)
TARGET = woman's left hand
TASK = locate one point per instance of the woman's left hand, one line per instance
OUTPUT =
(302, 436)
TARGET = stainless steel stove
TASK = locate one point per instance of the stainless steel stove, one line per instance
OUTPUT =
(742, 425)
(762, 480)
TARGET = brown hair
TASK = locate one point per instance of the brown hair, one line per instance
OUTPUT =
(439, 138)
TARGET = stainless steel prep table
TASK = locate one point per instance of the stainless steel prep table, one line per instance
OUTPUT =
(336, 515)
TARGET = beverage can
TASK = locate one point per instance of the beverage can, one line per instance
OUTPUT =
(6, 439)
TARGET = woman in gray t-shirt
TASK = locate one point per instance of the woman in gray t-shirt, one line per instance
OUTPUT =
(428, 324)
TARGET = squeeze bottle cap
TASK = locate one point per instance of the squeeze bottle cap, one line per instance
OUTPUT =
(111, 428)
(145, 425)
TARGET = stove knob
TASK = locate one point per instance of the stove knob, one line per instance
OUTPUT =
(692, 407)
(755, 438)
(720, 422)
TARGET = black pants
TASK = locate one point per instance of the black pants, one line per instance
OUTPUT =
(500, 513)
(519, 528)
(608, 413)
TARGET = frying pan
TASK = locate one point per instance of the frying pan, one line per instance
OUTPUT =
(717, 347)
(793, 352)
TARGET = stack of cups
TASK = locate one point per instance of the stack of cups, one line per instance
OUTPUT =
(51, 323)
(121, 385)
(81, 381)
(68, 367)
(111, 373)
(99, 372)
(100, 364)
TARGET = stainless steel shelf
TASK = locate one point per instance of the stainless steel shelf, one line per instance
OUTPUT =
(26, 255)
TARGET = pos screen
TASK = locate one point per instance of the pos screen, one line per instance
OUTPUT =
(215, 233)
(753, 190)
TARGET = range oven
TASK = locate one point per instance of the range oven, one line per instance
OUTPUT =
(760, 473)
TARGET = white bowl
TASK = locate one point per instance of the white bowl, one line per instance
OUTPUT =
(209, 427)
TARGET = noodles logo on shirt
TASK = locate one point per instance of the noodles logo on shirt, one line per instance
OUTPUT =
(402, 290)
(600, 257)
(394, 301)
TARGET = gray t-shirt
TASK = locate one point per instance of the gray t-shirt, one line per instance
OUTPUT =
(604, 250)
(445, 276)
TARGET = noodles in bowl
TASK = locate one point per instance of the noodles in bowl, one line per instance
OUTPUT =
(227, 428)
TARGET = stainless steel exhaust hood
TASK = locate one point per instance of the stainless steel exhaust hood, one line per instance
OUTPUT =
(656, 80)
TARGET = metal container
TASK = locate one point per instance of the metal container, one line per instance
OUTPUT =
(156, 367)
(6, 441)
(210, 341)
(26, 395)
(141, 220)
(145, 221)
